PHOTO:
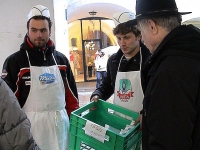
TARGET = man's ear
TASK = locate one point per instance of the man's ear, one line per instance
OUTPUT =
(153, 27)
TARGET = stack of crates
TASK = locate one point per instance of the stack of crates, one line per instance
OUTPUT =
(103, 114)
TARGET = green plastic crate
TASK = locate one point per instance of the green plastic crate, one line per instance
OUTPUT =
(102, 115)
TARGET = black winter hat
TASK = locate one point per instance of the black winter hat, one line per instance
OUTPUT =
(153, 8)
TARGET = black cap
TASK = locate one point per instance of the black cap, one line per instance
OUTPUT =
(153, 8)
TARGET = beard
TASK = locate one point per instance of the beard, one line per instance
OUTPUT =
(39, 43)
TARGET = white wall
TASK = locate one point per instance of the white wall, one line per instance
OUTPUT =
(183, 6)
(129, 4)
(13, 14)
(61, 27)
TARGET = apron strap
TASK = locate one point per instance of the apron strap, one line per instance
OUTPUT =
(120, 63)
(28, 58)
(140, 61)
(30, 63)
(54, 59)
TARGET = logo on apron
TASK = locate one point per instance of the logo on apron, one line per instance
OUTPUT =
(125, 90)
(47, 78)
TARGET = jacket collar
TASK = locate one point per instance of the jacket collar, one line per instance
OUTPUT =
(27, 45)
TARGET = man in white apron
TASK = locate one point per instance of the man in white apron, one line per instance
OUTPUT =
(44, 83)
(123, 68)
(48, 109)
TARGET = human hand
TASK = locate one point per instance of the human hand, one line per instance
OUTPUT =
(95, 98)
(139, 120)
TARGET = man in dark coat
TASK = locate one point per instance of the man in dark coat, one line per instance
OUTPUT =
(171, 78)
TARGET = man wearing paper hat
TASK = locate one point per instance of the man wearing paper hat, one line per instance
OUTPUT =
(123, 67)
(171, 78)
(43, 83)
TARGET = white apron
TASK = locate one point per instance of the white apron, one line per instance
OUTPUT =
(45, 107)
(128, 90)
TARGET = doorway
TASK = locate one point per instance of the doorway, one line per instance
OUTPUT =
(90, 49)
(86, 36)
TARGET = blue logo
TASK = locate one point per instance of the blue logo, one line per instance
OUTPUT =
(47, 78)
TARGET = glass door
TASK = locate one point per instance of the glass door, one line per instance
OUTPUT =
(90, 49)
(92, 39)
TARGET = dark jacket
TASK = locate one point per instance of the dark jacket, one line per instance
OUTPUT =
(107, 87)
(171, 83)
(14, 125)
(16, 71)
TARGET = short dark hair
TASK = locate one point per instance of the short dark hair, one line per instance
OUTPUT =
(40, 18)
(121, 28)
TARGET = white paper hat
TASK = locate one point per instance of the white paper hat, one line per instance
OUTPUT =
(39, 10)
(122, 17)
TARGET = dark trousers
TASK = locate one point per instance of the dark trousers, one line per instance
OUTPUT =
(90, 71)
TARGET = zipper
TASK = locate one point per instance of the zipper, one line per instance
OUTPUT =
(44, 53)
